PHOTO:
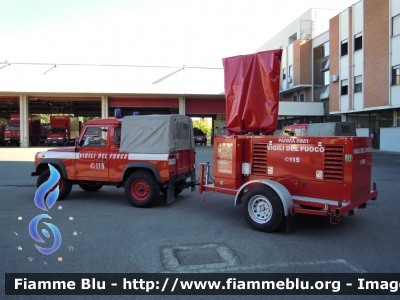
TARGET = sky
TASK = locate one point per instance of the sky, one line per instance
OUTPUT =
(195, 33)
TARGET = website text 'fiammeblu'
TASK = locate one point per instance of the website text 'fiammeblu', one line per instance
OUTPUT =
(288, 284)
(201, 284)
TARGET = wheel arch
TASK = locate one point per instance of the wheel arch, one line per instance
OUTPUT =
(278, 188)
(134, 166)
(56, 163)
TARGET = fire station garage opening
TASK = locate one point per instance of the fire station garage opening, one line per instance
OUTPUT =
(65, 106)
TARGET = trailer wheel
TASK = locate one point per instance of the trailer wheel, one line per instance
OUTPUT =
(262, 209)
(90, 187)
(64, 184)
(141, 189)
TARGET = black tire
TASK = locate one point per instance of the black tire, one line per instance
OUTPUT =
(141, 189)
(64, 184)
(262, 209)
(90, 187)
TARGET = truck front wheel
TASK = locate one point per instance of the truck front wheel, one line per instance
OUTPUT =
(64, 184)
(141, 189)
(262, 209)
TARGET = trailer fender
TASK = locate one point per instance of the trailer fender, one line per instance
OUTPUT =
(279, 189)
(57, 163)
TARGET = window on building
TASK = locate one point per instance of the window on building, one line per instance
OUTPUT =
(326, 49)
(301, 97)
(358, 84)
(344, 48)
(396, 25)
(292, 38)
(324, 93)
(321, 51)
(396, 75)
(387, 118)
(324, 64)
(358, 41)
(325, 78)
(283, 74)
(294, 97)
(344, 90)
(290, 71)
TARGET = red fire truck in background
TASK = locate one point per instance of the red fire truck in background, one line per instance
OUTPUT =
(276, 177)
(63, 130)
(12, 130)
(3, 123)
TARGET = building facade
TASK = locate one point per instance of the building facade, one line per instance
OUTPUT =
(304, 89)
(352, 68)
(365, 70)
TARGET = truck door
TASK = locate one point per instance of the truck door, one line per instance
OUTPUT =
(93, 151)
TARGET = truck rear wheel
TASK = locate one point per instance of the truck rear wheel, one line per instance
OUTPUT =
(141, 189)
(64, 184)
(90, 187)
(262, 209)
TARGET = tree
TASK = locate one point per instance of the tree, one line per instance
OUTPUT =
(203, 125)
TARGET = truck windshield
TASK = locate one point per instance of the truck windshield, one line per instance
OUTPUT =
(10, 127)
(57, 130)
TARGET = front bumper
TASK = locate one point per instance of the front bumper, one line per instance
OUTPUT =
(54, 142)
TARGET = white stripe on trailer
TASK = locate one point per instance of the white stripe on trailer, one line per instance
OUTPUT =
(140, 156)
(51, 154)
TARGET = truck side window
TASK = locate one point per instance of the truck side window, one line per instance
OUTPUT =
(94, 137)
(117, 135)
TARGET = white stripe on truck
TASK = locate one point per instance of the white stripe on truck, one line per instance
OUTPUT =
(131, 156)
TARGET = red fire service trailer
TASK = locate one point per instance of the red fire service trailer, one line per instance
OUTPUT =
(276, 177)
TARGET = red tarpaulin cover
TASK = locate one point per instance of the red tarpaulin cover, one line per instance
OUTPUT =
(252, 92)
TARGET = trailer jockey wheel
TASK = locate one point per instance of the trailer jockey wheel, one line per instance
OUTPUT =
(262, 208)
(64, 184)
(141, 189)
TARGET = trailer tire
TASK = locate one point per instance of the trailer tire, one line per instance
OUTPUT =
(262, 209)
(141, 189)
(64, 184)
(90, 187)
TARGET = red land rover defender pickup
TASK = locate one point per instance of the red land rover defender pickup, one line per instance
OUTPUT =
(145, 154)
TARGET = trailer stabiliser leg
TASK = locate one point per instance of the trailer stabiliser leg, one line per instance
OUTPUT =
(334, 218)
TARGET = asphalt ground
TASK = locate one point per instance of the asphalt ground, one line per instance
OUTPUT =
(211, 234)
